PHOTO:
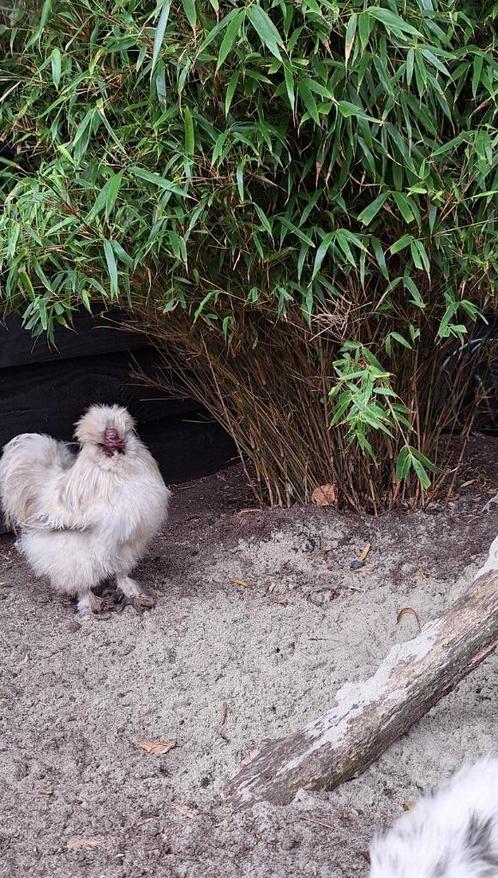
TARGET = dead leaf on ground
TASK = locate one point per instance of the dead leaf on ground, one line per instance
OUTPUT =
(408, 611)
(185, 810)
(240, 582)
(325, 495)
(364, 552)
(157, 748)
(408, 805)
(80, 842)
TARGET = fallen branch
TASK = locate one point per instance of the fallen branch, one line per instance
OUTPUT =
(369, 716)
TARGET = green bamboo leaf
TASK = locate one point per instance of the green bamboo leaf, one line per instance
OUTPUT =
(188, 126)
(159, 34)
(218, 147)
(263, 218)
(289, 85)
(113, 186)
(231, 34)
(350, 35)
(371, 211)
(303, 255)
(111, 267)
(403, 464)
(231, 89)
(308, 100)
(190, 12)
(476, 73)
(412, 288)
(365, 25)
(321, 253)
(319, 89)
(434, 60)
(428, 464)
(379, 255)
(489, 194)
(410, 63)
(157, 180)
(217, 29)
(423, 256)
(265, 29)
(122, 254)
(391, 21)
(84, 126)
(421, 473)
(401, 244)
(401, 340)
(56, 63)
(12, 240)
(106, 197)
(295, 231)
(85, 298)
(347, 109)
(45, 12)
(450, 144)
(99, 205)
(403, 204)
(160, 83)
(342, 240)
(239, 174)
(385, 391)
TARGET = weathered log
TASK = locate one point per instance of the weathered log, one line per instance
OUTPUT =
(369, 716)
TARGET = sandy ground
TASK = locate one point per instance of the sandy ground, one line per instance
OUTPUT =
(217, 666)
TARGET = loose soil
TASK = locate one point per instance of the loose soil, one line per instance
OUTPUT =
(259, 620)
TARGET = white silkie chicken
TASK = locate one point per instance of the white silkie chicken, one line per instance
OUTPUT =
(452, 833)
(85, 517)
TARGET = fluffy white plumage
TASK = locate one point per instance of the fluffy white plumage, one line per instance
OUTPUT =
(452, 833)
(84, 517)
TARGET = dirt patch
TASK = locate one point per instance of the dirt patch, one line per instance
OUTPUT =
(260, 619)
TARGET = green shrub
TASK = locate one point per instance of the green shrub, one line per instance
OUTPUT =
(296, 198)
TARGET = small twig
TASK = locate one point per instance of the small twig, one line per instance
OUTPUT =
(240, 582)
(318, 822)
(224, 714)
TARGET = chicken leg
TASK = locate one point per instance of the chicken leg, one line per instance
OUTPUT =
(133, 594)
(90, 604)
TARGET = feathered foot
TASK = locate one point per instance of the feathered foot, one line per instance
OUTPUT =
(90, 605)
